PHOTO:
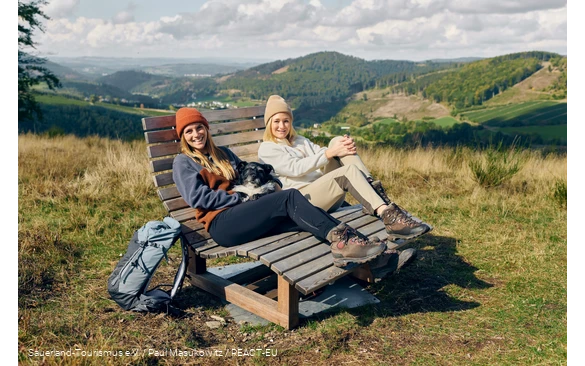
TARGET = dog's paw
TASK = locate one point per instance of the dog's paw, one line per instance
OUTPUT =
(243, 197)
(267, 188)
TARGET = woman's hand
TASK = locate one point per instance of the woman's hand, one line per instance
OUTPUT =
(342, 147)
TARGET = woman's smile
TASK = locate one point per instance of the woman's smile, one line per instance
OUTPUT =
(196, 136)
(281, 125)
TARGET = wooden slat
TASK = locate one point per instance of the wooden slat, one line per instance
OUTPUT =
(163, 179)
(242, 150)
(323, 278)
(175, 204)
(169, 135)
(238, 138)
(228, 127)
(168, 193)
(220, 251)
(258, 253)
(231, 114)
(300, 258)
(190, 225)
(153, 123)
(161, 164)
(157, 151)
(310, 267)
(184, 214)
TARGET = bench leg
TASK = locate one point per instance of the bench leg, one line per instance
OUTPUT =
(288, 303)
(197, 265)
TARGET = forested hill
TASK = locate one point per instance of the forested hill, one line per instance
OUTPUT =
(322, 81)
(129, 79)
(478, 81)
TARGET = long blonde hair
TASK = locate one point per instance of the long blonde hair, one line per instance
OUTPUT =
(268, 136)
(220, 164)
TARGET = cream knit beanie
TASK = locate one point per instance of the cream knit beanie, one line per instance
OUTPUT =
(276, 104)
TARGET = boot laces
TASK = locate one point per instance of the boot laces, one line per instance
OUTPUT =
(400, 215)
(377, 185)
(349, 233)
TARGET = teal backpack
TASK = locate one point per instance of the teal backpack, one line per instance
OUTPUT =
(128, 284)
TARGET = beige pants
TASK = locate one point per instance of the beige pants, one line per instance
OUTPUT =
(341, 175)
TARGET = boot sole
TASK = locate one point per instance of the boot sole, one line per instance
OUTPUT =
(393, 236)
(394, 266)
(342, 262)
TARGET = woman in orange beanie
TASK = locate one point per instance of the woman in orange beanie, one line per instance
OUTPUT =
(204, 174)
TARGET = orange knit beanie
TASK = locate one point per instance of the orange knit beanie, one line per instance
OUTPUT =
(276, 104)
(186, 116)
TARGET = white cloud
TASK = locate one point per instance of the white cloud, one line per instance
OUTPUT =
(60, 8)
(411, 29)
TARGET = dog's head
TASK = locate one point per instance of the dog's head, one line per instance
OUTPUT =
(254, 174)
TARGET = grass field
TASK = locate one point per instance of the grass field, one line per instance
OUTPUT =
(537, 112)
(61, 100)
(445, 121)
(547, 132)
(489, 286)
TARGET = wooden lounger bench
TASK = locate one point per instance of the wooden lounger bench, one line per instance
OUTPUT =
(300, 262)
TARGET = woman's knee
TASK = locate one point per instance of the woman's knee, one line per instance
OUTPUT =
(289, 193)
(334, 140)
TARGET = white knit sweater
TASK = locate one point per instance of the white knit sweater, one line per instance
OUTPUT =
(296, 165)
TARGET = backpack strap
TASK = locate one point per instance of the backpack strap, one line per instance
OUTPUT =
(182, 271)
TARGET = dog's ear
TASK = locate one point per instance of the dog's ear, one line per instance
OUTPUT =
(241, 165)
(268, 168)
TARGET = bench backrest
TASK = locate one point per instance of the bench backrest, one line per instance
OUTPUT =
(240, 129)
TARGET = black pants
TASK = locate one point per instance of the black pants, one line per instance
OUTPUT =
(278, 212)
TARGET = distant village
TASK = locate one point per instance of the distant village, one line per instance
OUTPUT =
(206, 105)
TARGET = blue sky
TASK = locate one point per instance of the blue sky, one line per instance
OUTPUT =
(279, 29)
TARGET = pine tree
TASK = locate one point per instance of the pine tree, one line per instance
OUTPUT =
(30, 69)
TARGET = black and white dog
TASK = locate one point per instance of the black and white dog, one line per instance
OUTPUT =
(254, 180)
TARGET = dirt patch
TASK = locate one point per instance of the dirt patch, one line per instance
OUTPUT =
(528, 89)
(410, 106)
(224, 78)
(281, 70)
(540, 79)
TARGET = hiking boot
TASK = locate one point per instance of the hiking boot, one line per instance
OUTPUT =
(350, 246)
(400, 224)
(391, 261)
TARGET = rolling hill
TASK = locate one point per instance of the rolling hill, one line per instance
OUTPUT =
(348, 91)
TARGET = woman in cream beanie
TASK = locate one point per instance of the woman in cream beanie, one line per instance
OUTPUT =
(276, 104)
(325, 174)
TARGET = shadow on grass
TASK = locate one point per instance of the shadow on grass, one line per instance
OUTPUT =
(418, 287)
